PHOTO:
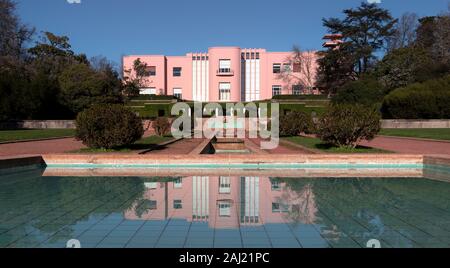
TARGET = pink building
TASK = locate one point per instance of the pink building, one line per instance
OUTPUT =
(228, 74)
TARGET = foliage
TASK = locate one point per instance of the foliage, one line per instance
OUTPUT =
(365, 29)
(81, 87)
(108, 126)
(401, 67)
(300, 97)
(366, 91)
(135, 78)
(345, 125)
(336, 67)
(295, 123)
(161, 126)
(428, 100)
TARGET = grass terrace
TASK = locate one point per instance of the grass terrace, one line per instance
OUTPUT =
(34, 134)
(425, 133)
(317, 144)
(142, 144)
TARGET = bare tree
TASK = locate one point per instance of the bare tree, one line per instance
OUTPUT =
(301, 69)
(13, 34)
(404, 31)
(441, 46)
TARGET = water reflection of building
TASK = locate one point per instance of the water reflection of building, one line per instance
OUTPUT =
(225, 202)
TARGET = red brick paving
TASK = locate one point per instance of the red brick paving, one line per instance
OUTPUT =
(40, 147)
(282, 149)
(184, 146)
(409, 146)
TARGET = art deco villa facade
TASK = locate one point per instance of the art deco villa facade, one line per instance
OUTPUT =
(227, 74)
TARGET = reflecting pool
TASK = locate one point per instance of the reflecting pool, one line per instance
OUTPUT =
(221, 211)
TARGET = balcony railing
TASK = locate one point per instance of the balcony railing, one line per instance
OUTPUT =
(225, 72)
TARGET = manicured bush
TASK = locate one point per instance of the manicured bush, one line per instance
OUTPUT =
(300, 97)
(295, 123)
(161, 126)
(108, 126)
(345, 125)
(428, 100)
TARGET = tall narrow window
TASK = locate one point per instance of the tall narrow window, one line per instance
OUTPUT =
(177, 71)
(224, 185)
(224, 66)
(224, 91)
(276, 90)
(276, 68)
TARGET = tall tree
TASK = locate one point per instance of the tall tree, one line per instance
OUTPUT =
(336, 67)
(366, 29)
(13, 34)
(404, 32)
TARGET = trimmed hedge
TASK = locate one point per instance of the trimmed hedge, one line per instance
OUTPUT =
(108, 126)
(300, 97)
(428, 100)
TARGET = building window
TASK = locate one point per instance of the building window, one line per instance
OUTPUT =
(177, 71)
(276, 90)
(148, 91)
(257, 55)
(277, 207)
(224, 185)
(224, 209)
(276, 68)
(177, 204)
(178, 184)
(297, 67)
(178, 93)
(150, 71)
(224, 66)
(225, 91)
(276, 185)
(296, 89)
(287, 67)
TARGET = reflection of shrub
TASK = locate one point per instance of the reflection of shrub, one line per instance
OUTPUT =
(161, 126)
(345, 125)
(428, 100)
(108, 126)
(294, 123)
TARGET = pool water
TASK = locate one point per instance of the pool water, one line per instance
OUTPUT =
(221, 212)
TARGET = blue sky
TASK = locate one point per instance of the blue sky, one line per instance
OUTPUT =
(113, 28)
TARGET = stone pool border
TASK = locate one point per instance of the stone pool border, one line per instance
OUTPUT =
(229, 160)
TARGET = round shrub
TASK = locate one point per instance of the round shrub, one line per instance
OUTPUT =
(161, 126)
(345, 125)
(294, 123)
(428, 100)
(108, 126)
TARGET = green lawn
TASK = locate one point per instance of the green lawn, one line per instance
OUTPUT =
(32, 134)
(425, 133)
(143, 144)
(317, 144)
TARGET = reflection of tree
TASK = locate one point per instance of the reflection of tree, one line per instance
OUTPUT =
(49, 204)
(367, 208)
(142, 205)
(303, 207)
